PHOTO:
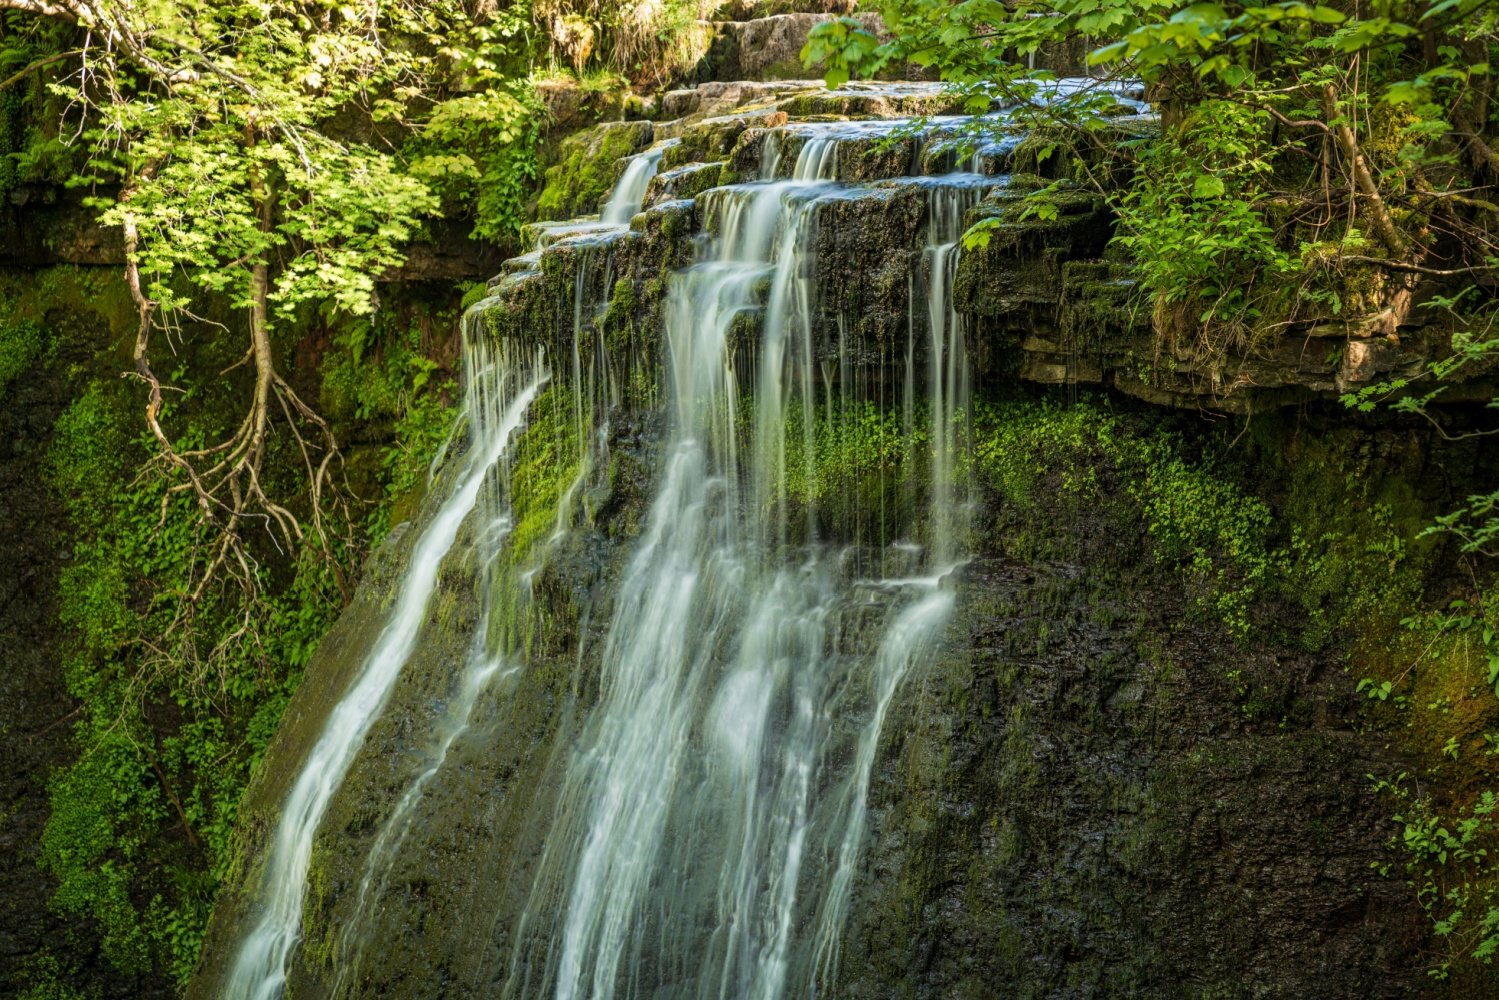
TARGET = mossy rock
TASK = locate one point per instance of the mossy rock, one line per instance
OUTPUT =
(588, 166)
(687, 181)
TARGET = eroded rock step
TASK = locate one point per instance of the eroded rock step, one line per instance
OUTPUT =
(1044, 303)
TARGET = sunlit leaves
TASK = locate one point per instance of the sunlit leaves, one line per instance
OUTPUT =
(1205, 37)
(840, 46)
(1207, 186)
(239, 139)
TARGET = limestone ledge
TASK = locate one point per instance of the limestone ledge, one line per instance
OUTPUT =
(1044, 303)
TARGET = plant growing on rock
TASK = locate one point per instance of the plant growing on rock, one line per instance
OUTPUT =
(264, 154)
(1342, 152)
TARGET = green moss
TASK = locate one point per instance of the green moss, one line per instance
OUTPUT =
(21, 344)
(180, 700)
(1196, 517)
(43, 977)
(860, 469)
(549, 457)
(587, 168)
(141, 824)
(89, 304)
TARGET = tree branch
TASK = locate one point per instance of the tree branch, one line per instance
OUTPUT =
(1383, 225)
(20, 75)
(1408, 268)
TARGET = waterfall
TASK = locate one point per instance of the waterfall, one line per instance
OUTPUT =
(713, 811)
(948, 383)
(629, 193)
(499, 391)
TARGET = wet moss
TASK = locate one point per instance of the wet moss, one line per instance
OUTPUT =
(588, 165)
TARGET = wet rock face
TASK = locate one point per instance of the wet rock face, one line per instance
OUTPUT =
(1071, 804)
(1069, 800)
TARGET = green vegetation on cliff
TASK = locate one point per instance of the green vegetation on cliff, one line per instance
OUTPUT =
(139, 835)
(1319, 166)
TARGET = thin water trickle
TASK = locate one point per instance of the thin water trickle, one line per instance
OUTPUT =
(629, 194)
(499, 391)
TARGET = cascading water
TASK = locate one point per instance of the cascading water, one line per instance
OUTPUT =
(499, 391)
(708, 816)
(629, 193)
(712, 809)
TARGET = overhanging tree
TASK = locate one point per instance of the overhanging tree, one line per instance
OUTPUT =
(268, 153)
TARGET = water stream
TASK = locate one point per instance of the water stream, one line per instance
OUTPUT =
(712, 812)
(629, 192)
(500, 390)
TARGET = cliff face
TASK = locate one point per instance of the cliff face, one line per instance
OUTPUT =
(1093, 789)
(1111, 780)
(1136, 767)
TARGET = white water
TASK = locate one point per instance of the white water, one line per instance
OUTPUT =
(948, 381)
(499, 392)
(483, 670)
(713, 812)
(629, 194)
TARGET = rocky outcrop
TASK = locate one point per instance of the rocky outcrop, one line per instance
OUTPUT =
(1046, 300)
(1076, 804)
(1075, 799)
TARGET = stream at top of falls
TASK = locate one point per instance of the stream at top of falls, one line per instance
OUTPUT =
(712, 809)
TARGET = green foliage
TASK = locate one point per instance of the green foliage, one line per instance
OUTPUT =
(21, 344)
(43, 977)
(424, 428)
(140, 828)
(480, 149)
(30, 150)
(1195, 516)
(1451, 863)
(225, 170)
(381, 372)
(840, 47)
(1193, 225)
